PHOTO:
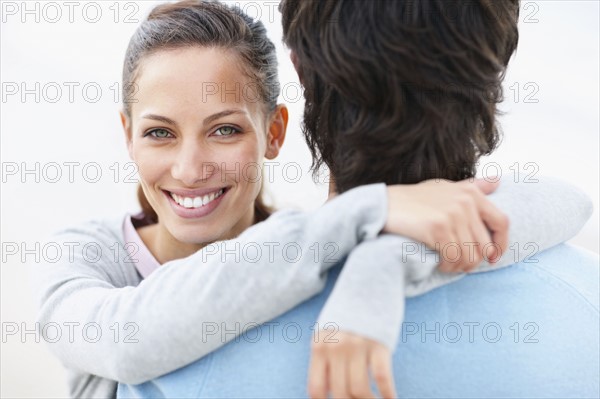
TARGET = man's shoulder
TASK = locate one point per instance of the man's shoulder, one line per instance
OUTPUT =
(569, 268)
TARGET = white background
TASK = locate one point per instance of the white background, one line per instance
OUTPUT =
(556, 65)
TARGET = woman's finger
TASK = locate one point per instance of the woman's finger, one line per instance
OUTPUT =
(447, 260)
(478, 237)
(338, 383)
(497, 222)
(463, 249)
(486, 186)
(380, 363)
(317, 375)
(358, 375)
(482, 238)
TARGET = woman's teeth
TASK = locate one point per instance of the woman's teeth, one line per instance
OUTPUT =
(196, 202)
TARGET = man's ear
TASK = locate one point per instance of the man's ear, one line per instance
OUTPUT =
(125, 121)
(277, 129)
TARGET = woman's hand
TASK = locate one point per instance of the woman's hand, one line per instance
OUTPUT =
(452, 218)
(342, 368)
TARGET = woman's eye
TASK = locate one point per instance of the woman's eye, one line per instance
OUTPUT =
(159, 133)
(226, 131)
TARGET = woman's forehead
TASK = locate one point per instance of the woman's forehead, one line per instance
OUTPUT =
(195, 77)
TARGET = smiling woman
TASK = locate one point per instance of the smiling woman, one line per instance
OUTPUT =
(187, 144)
(183, 134)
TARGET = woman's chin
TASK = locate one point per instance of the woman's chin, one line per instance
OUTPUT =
(193, 238)
(191, 233)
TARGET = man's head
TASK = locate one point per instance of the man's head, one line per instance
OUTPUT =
(400, 91)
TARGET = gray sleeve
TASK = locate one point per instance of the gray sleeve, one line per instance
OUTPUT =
(368, 298)
(169, 319)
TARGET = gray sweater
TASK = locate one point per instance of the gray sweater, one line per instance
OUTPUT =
(116, 327)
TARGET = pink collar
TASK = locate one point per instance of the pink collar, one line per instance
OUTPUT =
(139, 254)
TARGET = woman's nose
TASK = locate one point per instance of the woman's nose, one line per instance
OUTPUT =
(193, 164)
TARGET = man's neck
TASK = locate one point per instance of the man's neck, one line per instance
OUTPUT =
(332, 188)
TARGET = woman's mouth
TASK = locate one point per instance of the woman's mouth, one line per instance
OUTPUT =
(193, 205)
(196, 202)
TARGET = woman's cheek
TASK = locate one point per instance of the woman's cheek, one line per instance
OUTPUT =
(247, 165)
(146, 170)
(151, 169)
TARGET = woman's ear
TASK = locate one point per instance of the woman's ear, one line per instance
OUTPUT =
(277, 129)
(125, 121)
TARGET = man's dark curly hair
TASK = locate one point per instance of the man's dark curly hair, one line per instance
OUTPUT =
(400, 91)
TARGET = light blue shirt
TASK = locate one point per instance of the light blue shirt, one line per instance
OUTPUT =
(528, 330)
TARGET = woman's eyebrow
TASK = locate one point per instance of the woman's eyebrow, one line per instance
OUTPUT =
(160, 118)
(207, 120)
(214, 117)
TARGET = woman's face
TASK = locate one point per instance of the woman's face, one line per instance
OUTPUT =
(199, 133)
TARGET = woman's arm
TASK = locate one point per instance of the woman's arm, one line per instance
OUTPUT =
(371, 305)
(541, 214)
(190, 307)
